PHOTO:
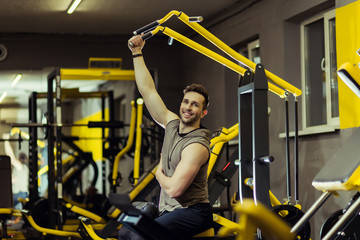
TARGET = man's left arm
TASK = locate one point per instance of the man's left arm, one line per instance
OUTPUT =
(192, 158)
(10, 152)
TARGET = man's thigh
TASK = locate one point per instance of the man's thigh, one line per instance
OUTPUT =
(186, 222)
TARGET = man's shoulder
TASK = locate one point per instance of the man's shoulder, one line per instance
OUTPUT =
(173, 123)
(203, 133)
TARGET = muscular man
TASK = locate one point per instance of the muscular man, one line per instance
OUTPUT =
(182, 171)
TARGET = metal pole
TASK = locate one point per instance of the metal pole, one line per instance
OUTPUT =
(103, 163)
(245, 133)
(59, 152)
(287, 144)
(260, 137)
(349, 212)
(51, 172)
(33, 150)
(296, 153)
(312, 210)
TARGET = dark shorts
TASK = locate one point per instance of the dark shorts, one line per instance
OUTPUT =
(185, 222)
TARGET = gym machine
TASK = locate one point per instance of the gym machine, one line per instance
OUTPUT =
(53, 131)
(138, 192)
(144, 185)
(340, 173)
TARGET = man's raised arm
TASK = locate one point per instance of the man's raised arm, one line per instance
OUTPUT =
(146, 86)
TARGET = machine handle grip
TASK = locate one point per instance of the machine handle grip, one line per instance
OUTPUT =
(146, 28)
(147, 35)
(114, 124)
(196, 19)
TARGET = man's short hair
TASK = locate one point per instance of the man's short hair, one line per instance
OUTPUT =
(201, 90)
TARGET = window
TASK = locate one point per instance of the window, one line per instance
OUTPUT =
(318, 67)
(251, 51)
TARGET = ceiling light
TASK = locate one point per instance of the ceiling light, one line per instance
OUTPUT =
(3, 96)
(73, 6)
(16, 80)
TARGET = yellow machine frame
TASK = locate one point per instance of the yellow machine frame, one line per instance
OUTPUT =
(225, 48)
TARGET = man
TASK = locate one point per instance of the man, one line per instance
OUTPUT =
(19, 172)
(182, 171)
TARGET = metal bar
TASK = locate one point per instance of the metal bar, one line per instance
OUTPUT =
(287, 145)
(225, 48)
(11, 140)
(260, 137)
(312, 210)
(102, 124)
(58, 140)
(23, 125)
(168, 16)
(138, 140)
(112, 146)
(216, 57)
(128, 144)
(33, 150)
(205, 51)
(296, 152)
(74, 94)
(97, 74)
(52, 196)
(343, 219)
(245, 134)
(103, 163)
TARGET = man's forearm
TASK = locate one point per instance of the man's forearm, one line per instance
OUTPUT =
(164, 181)
(146, 85)
(143, 77)
(169, 185)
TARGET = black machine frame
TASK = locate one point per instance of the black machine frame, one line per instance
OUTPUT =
(254, 136)
(54, 139)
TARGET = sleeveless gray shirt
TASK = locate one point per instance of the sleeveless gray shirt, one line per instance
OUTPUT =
(174, 143)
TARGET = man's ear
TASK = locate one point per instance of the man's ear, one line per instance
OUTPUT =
(205, 112)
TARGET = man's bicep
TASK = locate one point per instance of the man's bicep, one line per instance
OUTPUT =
(196, 154)
(192, 158)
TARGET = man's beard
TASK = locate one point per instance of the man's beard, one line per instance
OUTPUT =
(189, 121)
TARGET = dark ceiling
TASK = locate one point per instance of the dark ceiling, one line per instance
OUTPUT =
(104, 16)
(100, 17)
